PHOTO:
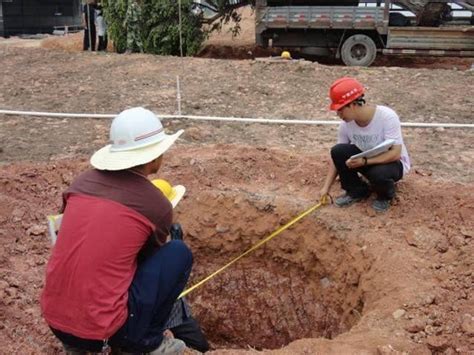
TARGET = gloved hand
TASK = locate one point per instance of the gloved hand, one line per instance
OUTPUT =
(176, 232)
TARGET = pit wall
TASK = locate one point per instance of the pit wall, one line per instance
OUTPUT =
(304, 283)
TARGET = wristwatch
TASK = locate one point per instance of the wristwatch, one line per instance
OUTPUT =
(365, 161)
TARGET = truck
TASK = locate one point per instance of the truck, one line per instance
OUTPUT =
(357, 31)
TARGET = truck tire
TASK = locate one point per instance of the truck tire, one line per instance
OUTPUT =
(358, 50)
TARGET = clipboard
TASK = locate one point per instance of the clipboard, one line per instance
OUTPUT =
(377, 150)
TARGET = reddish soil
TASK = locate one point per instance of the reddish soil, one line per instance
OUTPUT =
(341, 281)
(401, 280)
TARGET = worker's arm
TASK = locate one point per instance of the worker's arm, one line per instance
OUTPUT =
(155, 241)
(342, 137)
(391, 155)
(330, 177)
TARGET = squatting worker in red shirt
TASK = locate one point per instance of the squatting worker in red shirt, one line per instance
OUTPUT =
(95, 295)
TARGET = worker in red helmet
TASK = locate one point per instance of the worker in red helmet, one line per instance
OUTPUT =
(365, 126)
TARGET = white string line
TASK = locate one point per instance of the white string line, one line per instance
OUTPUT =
(228, 119)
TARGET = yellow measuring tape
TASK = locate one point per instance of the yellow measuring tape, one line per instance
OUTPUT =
(324, 201)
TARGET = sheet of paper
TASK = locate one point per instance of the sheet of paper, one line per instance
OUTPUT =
(378, 149)
(54, 222)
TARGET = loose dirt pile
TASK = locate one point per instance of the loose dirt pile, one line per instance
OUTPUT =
(342, 281)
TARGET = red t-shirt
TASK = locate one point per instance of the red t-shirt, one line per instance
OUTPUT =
(108, 218)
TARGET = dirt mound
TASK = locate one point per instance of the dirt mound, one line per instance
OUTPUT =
(70, 43)
(236, 52)
(20, 42)
(398, 281)
(246, 35)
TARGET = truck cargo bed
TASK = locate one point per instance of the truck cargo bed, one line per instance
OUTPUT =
(307, 17)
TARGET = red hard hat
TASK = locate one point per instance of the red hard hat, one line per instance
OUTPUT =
(343, 91)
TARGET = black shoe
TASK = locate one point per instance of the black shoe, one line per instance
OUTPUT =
(347, 200)
(380, 205)
(176, 232)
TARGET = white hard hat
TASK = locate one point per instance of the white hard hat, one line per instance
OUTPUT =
(135, 128)
(137, 137)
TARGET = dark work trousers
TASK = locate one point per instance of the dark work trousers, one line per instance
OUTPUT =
(102, 43)
(382, 177)
(190, 332)
(157, 283)
(86, 38)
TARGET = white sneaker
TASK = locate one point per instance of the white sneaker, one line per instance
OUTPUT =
(170, 346)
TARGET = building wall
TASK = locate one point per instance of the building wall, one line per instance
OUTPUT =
(39, 16)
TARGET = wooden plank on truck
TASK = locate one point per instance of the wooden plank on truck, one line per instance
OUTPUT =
(428, 52)
(430, 38)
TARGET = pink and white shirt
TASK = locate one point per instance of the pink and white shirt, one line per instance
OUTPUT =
(384, 125)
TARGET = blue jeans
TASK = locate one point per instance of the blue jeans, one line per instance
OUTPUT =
(157, 283)
(382, 177)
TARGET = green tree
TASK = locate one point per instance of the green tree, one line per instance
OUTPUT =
(115, 13)
(152, 26)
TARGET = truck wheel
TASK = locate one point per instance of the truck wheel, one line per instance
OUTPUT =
(358, 50)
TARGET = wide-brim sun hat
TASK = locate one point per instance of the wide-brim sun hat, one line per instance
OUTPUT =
(137, 137)
(173, 193)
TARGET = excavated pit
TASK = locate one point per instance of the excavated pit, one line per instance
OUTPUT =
(333, 270)
(301, 284)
